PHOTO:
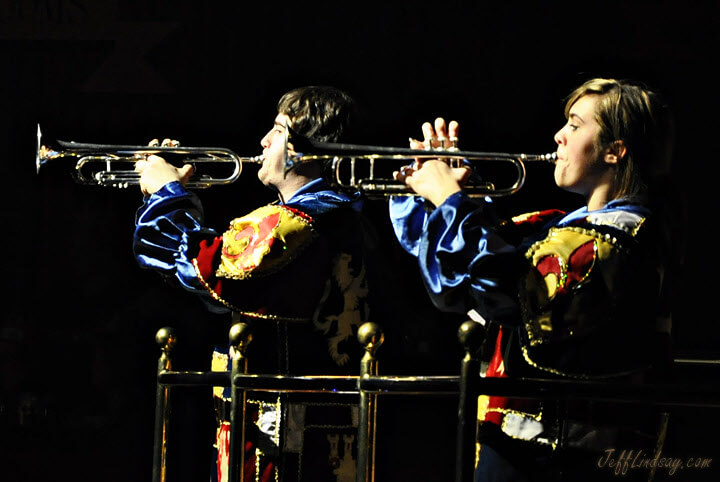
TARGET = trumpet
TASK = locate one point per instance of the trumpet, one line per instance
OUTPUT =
(351, 167)
(368, 168)
(114, 165)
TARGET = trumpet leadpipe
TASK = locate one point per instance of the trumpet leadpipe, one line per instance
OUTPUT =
(550, 157)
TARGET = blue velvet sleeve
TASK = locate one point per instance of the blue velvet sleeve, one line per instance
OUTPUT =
(463, 258)
(168, 228)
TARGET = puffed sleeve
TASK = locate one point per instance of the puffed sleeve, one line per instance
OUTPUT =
(463, 258)
(244, 269)
(408, 217)
(168, 229)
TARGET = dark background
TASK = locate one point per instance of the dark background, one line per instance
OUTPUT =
(78, 321)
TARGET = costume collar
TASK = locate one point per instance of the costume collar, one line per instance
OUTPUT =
(620, 204)
(319, 197)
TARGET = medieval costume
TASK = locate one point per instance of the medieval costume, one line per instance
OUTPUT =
(574, 296)
(296, 272)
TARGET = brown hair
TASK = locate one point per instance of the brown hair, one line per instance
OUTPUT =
(629, 112)
(320, 113)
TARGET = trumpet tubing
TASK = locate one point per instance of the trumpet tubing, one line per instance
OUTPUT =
(369, 168)
(114, 165)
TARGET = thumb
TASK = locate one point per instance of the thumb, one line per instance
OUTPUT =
(186, 172)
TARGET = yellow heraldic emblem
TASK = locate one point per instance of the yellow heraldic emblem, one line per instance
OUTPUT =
(263, 241)
(562, 262)
(566, 257)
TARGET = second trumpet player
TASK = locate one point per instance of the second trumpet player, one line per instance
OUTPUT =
(576, 295)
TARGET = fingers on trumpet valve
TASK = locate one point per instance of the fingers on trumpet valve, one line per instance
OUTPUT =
(441, 132)
(453, 129)
(143, 160)
(165, 143)
(439, 135)
(429, 139)
(169, 143)
(447, 134)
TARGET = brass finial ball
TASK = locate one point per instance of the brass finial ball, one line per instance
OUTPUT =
(471, 335)
(370, 335)
(240, 334)
(165, 337)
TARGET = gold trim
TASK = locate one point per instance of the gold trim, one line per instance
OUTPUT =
(250, 314)
(587, 232)
(306, 233)
(639, 225)
(526, 355)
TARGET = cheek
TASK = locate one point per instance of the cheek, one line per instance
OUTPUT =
(567, 174)
(276, 150)
(558, 173)
(585, 146)
(262, 172)
(589, 151)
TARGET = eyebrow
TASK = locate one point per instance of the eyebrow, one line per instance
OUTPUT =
(572, 114)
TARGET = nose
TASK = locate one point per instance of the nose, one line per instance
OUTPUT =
(265, 141)
(560, 137)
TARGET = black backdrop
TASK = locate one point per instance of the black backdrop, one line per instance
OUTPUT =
(79, 317)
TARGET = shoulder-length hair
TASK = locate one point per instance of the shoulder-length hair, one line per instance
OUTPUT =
(628, 111)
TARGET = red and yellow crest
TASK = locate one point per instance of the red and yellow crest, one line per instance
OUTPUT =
(263, 241)
(562, 262)
(566, 257)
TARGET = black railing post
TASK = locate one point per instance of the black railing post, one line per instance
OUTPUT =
(471, 336)
(371, 337)
(240, 337)
(165, 337)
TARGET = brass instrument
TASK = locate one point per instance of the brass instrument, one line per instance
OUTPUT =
(101, 164)
(114, 165)
(349, 172)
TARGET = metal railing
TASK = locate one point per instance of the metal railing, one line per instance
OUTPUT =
(369, 385)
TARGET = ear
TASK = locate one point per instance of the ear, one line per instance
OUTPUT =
(291, 149)
(615, 152)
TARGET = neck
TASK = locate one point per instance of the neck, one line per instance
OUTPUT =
(296, 178)
(599, 198)
(292, 184)
(603, 191)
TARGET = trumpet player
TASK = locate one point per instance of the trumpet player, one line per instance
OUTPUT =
(294, 269)
(579, 295)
